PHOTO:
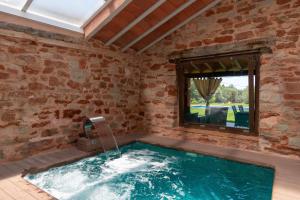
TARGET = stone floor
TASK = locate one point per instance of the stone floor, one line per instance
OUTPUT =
(14, 187)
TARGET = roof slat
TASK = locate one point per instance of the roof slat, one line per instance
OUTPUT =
(26, 5)
(178, 10)
(137, 20)
(104, 17)
(171, 30)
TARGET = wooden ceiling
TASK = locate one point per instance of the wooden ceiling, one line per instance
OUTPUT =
(223, 65)
(139, 24)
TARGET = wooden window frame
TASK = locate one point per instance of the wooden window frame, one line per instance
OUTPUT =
(253, 69)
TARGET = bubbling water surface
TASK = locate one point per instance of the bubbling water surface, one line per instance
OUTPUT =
(147, 172)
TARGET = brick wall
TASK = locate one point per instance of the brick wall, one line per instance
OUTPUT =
(234, 21)
(49, 85)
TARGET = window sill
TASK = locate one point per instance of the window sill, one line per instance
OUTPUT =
(229, 130)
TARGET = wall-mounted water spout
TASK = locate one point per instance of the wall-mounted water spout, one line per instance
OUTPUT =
(98, 126)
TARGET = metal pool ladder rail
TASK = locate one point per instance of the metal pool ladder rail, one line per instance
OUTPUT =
(101, 126)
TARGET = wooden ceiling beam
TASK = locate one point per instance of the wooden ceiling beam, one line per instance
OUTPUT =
(209, 67)
(210, 5)
(196, 67)
(136, 21)
(112, 9)
(237, 63)
(26, 5)
(178, 10)
(222, 65)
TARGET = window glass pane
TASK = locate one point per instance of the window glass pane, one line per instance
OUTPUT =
(13, 3)
(75, 12)
(227, 105)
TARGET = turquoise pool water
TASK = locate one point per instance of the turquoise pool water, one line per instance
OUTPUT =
(147, 172)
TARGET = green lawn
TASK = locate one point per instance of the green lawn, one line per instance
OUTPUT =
(230, 114)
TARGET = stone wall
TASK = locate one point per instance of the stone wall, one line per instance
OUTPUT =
(234, 21)
(49, 85)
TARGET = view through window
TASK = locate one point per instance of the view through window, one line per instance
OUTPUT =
(219, 92)
(228, 105)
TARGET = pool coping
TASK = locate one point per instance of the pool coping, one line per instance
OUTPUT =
(285, 184)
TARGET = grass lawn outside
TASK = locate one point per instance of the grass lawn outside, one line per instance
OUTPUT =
(230, 114)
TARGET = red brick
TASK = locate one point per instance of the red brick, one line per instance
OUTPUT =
(292, 97)
(8, 116)
(209, 13)
(223, 39)
(99, 102)
(56, 114)
(4, 75)
(180, 46)
(155, 67)
(55, 64)
(30, 70)
(36, 86)
(49, 132)
(292, 79)
(83, 101)
(286, 45)
(292, 88)
(37, 100)
(48, 70)
(281, 2)
(53, 81)
(294, 31)
(244, 35)
(195, 44)
(70, 113)
(15, 50)
(224, 9)
(73, 84)
(40, 124)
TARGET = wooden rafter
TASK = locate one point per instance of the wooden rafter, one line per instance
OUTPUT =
(237, 63)
(208, 66)
(194, 66)
(136, 21)
(178, 10)
(222, 65)
(26, 5)
(105, 16)
(212, 4)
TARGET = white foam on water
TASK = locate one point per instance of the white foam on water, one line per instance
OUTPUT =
(59, 185)
(109, 193)
(74, 182)
(167, 197)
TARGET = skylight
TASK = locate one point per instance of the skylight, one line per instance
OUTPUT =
(69, 14)
(18, 4)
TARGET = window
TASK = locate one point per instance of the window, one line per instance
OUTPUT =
(219, 92)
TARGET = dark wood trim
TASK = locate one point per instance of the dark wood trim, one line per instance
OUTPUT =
(216, 56)
(253, 70)
(180, 91)
(257, 86)
(258, 45)
(251, 65)
(212, 127)
(214, 74)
